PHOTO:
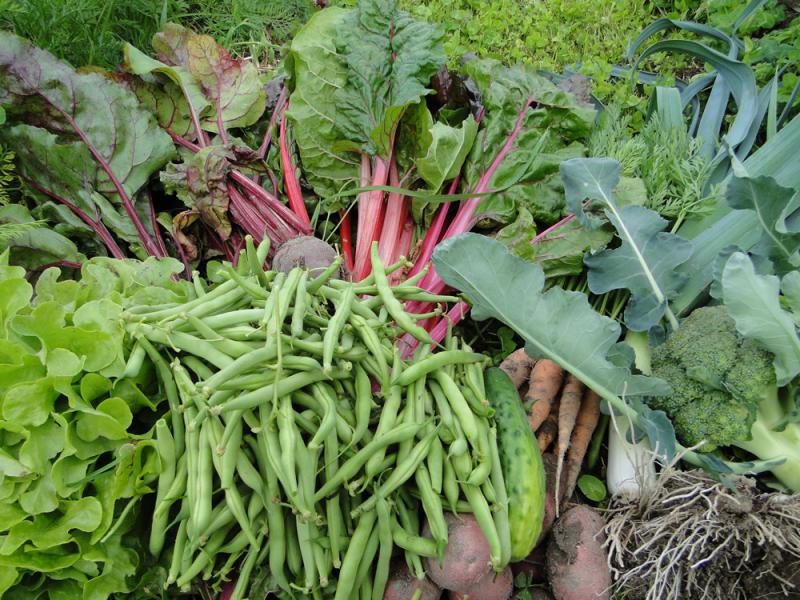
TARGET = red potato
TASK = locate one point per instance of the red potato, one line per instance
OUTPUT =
(493, 586)
(466, 558)
(402, 584)
(577, 563)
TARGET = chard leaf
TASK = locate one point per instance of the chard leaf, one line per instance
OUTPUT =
(317, 72)
(647, 257)
(556, 324)
(562, 252)
(390, 58)
(753, 301)
(446, 152)
(767, 199)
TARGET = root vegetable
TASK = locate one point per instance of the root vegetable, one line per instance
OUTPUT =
(402, 585)
(493, 586)
(466, 558)
(547, 433)
(544, 384)
(585, 425)
(305, 251)
(577, 563)
(568, 410)
(517, 366)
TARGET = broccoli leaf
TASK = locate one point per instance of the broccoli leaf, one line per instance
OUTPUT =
(647, 257)
(557, 324)
(767, 199)
(753, 301)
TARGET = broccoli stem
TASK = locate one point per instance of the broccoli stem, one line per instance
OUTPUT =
(768, 444)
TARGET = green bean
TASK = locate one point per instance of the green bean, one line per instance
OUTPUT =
(408, 416)
(220, 517)
(307, 421)
(241, 365)
(255, 290)
(199, 563)
(166, 450)
(413, 543)
(177, 553)
(250, 476)
(197, 366)
(363, 396)
(175, 491)
(385, 552)
(481, 472)
(202, 507)
(356, 550)
(365, 566)
(359, 308)
(479, 407)
(435, 461)
(192, 464)
(305, 543)
(243, 580)
(327, 400)
(135, 361)
(401, 473)
(294, 559)
(315, 284)
(283, 387)
(198, 284)
(487, 489)
(233, 318)
(459, 406)
(482, 513)
(300, 306)
(171, 392)
(450, 484)
(262, 251)
(387, 419)
(277, 529)
(355, 354)
(352, 466)
(286, 436)
(243, 383)
(436, 362)
(501, 520)
(179, 340)
(391, 303)
(219, 297)
(335, 327)
(432, 505)
(333, 511)
(231, 442)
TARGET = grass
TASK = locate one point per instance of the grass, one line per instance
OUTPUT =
(90, 32)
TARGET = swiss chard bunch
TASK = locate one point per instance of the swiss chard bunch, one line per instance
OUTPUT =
(75, 450)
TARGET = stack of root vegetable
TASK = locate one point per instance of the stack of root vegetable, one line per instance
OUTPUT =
(564, 415)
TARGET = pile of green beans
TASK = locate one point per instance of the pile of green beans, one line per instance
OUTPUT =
(300, 452)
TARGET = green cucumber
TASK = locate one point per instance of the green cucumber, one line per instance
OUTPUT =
(523, 469)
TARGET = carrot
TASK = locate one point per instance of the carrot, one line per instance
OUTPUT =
(585, 425)
(517, 366)
(567, 415)
(544, 383)
(549, 429)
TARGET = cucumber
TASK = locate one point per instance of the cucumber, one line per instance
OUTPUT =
(523, 469)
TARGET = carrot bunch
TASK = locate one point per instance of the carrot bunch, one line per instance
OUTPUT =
(562, 412)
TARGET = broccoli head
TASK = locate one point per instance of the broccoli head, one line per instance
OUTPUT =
(724, 391)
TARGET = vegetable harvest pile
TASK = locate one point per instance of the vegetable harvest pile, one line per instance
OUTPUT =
(359, 324)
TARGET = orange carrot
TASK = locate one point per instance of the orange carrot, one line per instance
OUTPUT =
(585, 424)
(517, 366)
(568, 410)
(544, 383)
(549, 429)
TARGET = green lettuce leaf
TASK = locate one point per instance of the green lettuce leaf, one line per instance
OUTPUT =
(647, 257)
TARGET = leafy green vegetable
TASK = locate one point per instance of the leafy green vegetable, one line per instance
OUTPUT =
(30, 243)
(754, 302)
(592, 487)
(646, 259)
(81, 139)
(71, 465)
(446, 152)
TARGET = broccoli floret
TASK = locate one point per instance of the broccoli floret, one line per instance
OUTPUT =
(724, 392)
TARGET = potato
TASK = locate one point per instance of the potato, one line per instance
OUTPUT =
(493, 586)
(466, 558)
(307, 252)
(402, 584)
(576, 560)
